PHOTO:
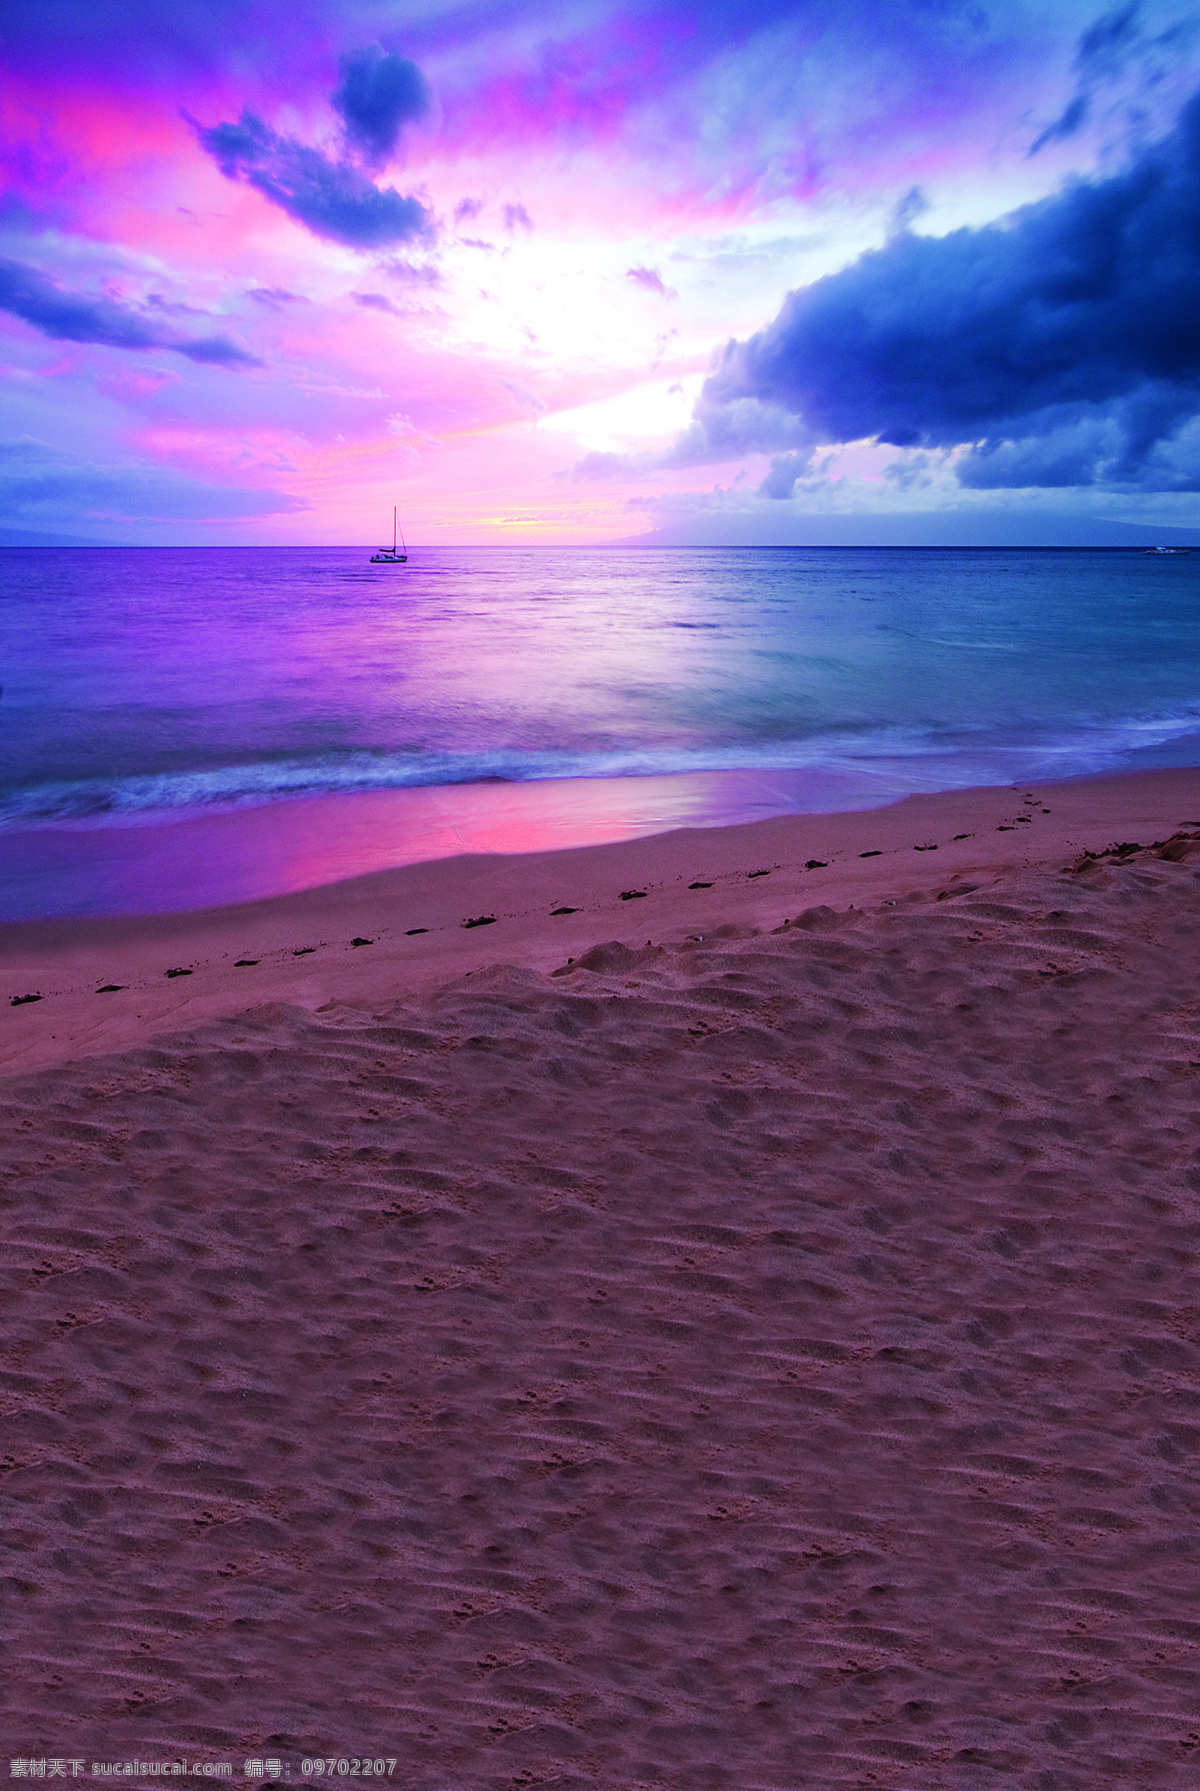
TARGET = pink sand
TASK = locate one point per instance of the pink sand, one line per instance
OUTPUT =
(764, 1357)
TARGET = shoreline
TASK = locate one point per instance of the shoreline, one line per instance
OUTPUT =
(177, 861)
(301, 942)
(199, 858)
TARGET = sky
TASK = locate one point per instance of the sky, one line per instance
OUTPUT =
(606, 270)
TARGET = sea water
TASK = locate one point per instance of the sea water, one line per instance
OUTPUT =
(510, 698)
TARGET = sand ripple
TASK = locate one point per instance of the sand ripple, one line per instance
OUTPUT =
(765, 1363)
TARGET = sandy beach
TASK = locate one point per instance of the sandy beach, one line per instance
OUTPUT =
(728, 1320)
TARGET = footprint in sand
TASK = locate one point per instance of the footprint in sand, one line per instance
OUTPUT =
(481, 920)
(692, 886)
(876, 854)
(632, 895)
(962, 836)
(245, 963)
(924, 848)
(413, 931)
(22, 1000)
(555, 911)
(111, 988)
(816, 864)
(362, 942)
(178, 971)
(303, 951)
(758, 874)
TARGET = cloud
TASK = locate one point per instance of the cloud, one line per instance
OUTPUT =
(718, 432)
(651, 280)
(275, 297)
(600, 465)
(1104, 46)
(516, 218)
(377, 301)
(523, 395)
(379, 94)
(776, 99)
(406, 432)
(73, 317)
(1067, 455)
(171, 307)
(907, 210)
(131, 384)
(1115, 50)
(332, 199)
(1077, 314)
(780, 482)
(42, 483)
(1089, 451)
(1072, 118)
(733, 427)
(411, 273)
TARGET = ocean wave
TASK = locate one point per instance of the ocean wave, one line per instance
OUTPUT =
(153, 797)
(922, 759)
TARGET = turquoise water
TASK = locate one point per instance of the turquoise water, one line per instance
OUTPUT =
(150, 686)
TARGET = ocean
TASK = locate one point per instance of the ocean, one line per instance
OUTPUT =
(189, 726)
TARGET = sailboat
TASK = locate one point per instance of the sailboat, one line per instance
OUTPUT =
(392, 557)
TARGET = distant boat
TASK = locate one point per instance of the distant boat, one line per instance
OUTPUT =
(1157, 550)
(392, 556)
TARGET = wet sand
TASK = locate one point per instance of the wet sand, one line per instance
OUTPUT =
(732, 1336)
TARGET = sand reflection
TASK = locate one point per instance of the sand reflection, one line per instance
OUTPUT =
(213, 859)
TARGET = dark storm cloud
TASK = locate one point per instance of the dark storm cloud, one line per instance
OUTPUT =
(379, 94)
(332, 199)
(73, 317)
(1084, 307)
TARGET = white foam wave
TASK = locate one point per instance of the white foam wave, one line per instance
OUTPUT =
(928, 759)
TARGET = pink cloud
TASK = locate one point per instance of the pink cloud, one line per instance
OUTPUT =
(590, 148)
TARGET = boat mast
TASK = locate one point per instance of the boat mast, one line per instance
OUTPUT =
(393, 529)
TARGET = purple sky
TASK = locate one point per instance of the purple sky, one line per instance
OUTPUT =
(589, 271)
